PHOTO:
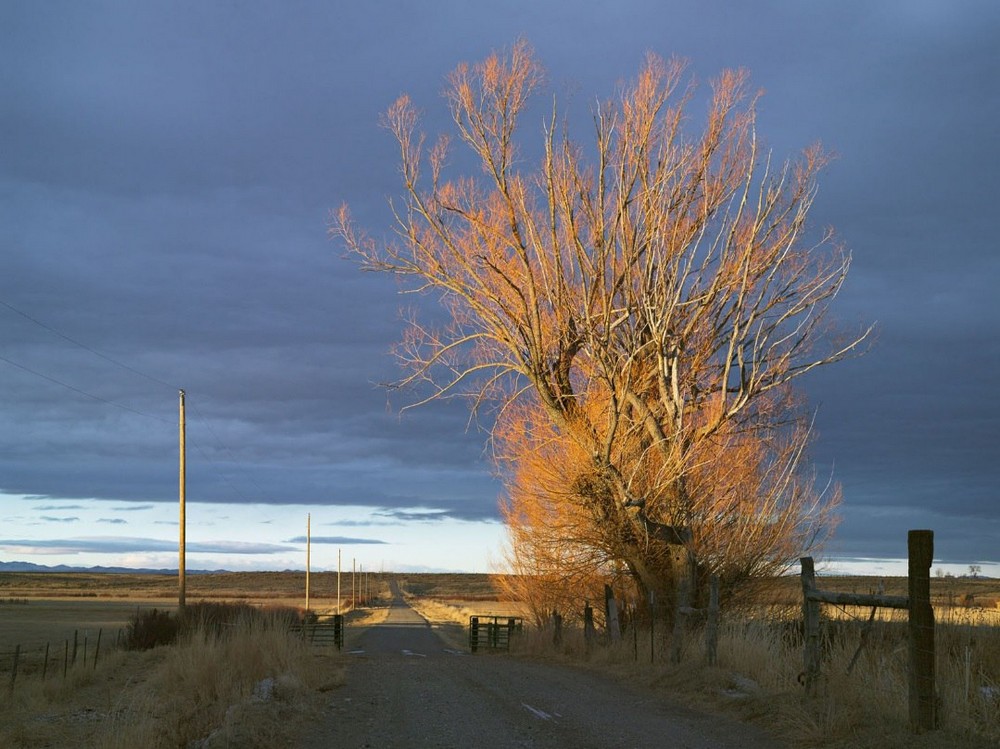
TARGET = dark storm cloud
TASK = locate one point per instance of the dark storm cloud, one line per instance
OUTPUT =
(166, 179)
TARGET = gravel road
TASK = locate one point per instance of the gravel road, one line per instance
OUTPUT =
(406, 688)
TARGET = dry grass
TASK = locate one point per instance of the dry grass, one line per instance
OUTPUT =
(203, 690)
(247, 687)
(760, 660)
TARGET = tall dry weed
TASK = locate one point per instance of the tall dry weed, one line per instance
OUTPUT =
(242, 683)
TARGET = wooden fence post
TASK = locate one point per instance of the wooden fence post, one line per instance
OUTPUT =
(13, 673)
(712, 628)
(680, 621)
(556, 628)
(588, 624)
(921, 625)
(97, 649)
(611, 615)
(810, 618)
(45, 664)
(652, 627)
(474, 633)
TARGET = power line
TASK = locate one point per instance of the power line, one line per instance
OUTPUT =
(81, 392)
(203, 420)
(85, 347)
(135, 371)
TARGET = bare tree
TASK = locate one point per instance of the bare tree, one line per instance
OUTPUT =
(654, 295)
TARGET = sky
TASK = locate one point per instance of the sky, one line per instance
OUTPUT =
(167, 172)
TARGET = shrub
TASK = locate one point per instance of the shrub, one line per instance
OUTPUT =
(147, 629)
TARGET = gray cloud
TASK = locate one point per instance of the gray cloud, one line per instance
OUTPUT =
(166, 205)
(335, 540)
(420, 516)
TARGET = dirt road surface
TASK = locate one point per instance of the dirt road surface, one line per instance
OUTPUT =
(407, 688)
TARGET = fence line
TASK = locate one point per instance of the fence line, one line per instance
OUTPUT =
(920, 547)
(22, 658)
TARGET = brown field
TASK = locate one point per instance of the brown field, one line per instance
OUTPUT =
(945, 591)
(221, 586)
(759, 657)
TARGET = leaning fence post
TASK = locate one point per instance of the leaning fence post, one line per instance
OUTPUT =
(810, 620)
(97, 649)
(13, 673)
(921, 554)
(45, 663)
(712, 628)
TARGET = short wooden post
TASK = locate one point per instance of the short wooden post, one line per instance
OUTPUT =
(635, 631)
(45, 663)
(556, 628)
(65, 658)
(810, 618)
(611, 615)
(652, 627)
(588, 624)
(97, 649)
(76, 642)
(920, 545)
(338, 631)
(712, 627)
(680, 614)
(13, 673)
(474, 633)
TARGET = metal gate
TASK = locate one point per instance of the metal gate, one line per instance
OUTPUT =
(324, 632)
(493, 632)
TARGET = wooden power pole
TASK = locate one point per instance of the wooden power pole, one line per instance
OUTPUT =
(308, 550)
(183, 491)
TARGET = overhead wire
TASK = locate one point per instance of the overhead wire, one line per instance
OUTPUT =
(116, 404)
(85, 347)
(66, 385)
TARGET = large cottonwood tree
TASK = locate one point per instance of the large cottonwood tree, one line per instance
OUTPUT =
(643, 300)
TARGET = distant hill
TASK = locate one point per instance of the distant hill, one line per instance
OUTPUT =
(62, 568)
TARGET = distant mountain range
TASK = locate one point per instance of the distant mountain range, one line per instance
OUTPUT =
(32, 567)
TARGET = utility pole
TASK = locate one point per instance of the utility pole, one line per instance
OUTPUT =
(354, 574)
(338, 581)
(308, 549)
(183, 521)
